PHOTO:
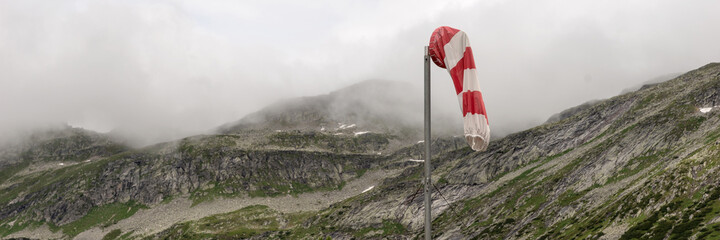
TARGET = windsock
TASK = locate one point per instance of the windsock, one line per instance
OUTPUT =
(450, 49)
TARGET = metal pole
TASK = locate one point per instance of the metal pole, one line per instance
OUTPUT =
(428, 202)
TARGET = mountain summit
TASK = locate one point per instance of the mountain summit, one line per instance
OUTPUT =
(374, 105)
(640, 165)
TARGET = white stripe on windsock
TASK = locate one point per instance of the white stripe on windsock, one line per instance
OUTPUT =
(453, 56)
(476, 131)
(470, 82)
(460, 101)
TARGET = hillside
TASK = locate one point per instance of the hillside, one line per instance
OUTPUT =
(639, 165)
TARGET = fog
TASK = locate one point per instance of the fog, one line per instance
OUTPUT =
(159, 70)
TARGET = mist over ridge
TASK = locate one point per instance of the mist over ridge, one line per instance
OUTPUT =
(157, 71)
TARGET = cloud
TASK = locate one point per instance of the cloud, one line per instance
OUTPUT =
(165, 69)
(144, 68)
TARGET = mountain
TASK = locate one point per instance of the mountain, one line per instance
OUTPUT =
(651, 82)
(84, 191)
(640, 165)
(52, 147)
(571, 111)
(374, 105)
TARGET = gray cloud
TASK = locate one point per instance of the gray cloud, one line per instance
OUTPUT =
(165, 69)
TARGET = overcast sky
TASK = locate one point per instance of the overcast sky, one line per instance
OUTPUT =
(165, 69)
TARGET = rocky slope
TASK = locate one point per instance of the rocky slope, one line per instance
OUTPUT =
(201, 168)
(639, 165)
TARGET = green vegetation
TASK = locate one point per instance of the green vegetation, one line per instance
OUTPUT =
(10, 226)
(650, 98)
(497, 229)
(569, 197)
(678, 221)
(243, 223)
(713, 136)
(688, 125)
(360, 172)
(102, 216)
(114, 234)
(636, 165)
(273, 188)
(533, 202)
(9, 171)
(208, 147)
(710, 232)
(68, 176)
(335, 143)
(387, 228)
(321, 223)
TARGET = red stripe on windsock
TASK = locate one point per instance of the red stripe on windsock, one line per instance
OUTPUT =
(457, 73)
(473, 103)
(438, 39)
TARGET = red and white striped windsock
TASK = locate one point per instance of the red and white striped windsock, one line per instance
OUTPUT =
(450, 49)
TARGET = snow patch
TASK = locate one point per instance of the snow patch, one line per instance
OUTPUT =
(344, 126)
(61, 164)
(416, 160)
(421, 141)
(705, 110)
(322, 129)
(361, 133)
(368, 189)
(338, 134)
